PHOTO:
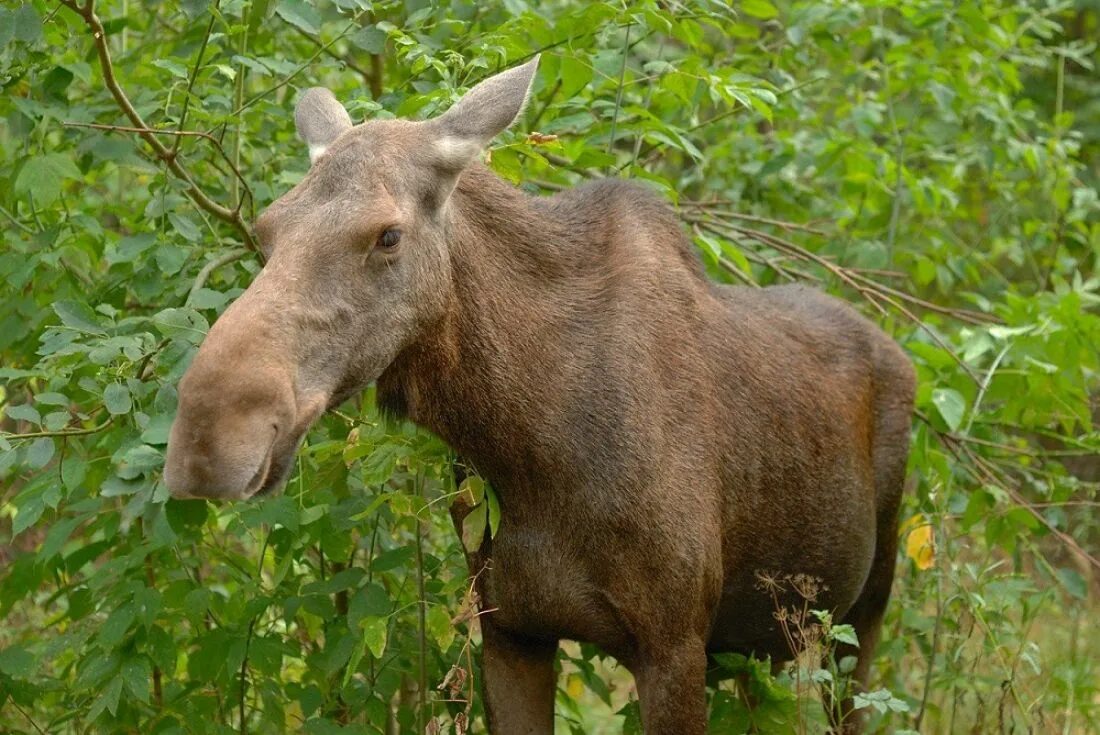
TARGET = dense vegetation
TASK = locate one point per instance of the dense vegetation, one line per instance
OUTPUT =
(933, 161)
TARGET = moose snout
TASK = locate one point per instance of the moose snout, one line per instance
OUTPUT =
(238, 424)
(234, 441)
(224, 473)
(223, 449)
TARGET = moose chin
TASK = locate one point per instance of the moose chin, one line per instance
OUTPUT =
(659, 443)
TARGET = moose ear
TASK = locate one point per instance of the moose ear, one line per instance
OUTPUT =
(320, 120)
(461, 133)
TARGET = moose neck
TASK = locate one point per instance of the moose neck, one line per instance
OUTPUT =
(488, 378)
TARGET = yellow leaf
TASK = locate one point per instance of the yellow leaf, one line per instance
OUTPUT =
(920, 542)
(574, 686)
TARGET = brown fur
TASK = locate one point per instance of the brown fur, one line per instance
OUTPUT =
(655, 439)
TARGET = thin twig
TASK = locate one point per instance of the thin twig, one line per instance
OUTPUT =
(985, 471)
(619, 96)
(244, 675)
(61, 432)
(29, 719)
(781, 224)
(290, 77)
(899, 152)
(25, 228)
(365, 73)
(377, 67)
(422, 623)
(985, 386)
(645, 104)
(194, 75)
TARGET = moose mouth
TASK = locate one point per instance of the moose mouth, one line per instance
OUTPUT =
(274, 470)
(241, 456)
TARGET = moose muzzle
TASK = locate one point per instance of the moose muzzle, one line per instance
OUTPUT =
(241, 413)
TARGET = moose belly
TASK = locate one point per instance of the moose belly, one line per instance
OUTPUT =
(770, 590)
(537, 586)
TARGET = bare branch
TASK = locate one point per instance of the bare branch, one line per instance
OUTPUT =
(179, 134)
(722, 207)
(168, 156)
(213, 265)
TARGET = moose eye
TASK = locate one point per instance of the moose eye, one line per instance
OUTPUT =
(388, 240)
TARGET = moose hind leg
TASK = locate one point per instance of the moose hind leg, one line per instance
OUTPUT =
(519, 682)
(891, 449)
(672, 690)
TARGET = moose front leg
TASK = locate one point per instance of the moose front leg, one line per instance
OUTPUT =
(672, 689)
(519, 682)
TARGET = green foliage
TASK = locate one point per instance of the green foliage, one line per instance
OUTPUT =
(935, 162)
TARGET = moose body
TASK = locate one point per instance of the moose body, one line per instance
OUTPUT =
(658, 442)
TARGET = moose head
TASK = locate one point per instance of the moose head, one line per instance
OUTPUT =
(358, 266)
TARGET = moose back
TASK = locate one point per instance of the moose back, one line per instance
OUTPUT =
(662, 446)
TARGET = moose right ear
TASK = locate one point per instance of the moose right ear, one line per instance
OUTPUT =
(457, 137)
(320, 120)
(461, 134)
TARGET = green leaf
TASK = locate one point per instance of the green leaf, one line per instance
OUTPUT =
(473, 527)
(1074, 583)
(27, 24)
(472, 490)
(42, 176)
(51, 399)
(176, 69)
(40, 452)
(758, 9)
(258, 12)
(374, 635)
(23, 412)
(575, 75)
(183, 324)
(17, 662)
(116, 397)
(108, 699)
(369, 601)
(844, 634)
(7, 27)
(371, 39)
(300, 14)
(494, 510)
(186, 228)
(117, 624)
(951, 405)
(438, 622)
(136, 673)
(27, 515)
(78, 316)
(156, 431)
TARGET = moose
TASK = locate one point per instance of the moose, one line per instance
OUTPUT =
(657, 440)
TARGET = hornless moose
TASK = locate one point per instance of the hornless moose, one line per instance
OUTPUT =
(657, 440)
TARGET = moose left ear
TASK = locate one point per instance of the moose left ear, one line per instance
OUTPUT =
(320, 120)
(462, 132)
